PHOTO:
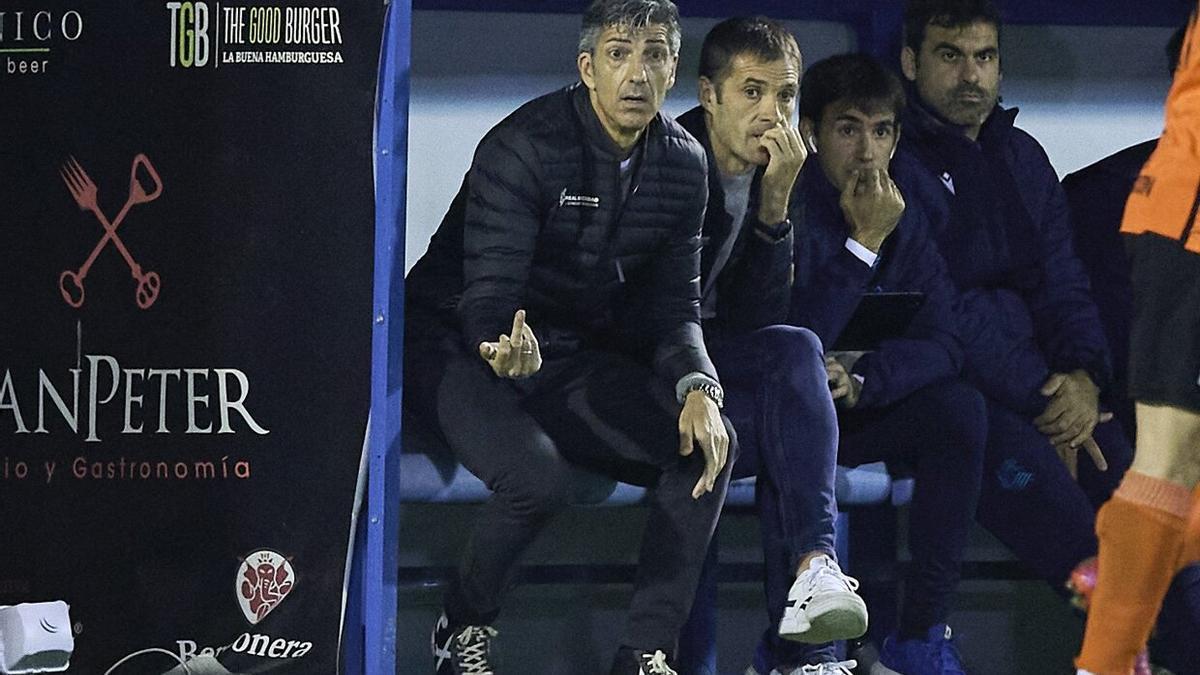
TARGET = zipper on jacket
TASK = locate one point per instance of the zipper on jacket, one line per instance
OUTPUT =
(634, 182)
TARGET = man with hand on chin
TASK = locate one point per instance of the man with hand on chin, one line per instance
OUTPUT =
(555, 317)
(777, 396)
(903, 402)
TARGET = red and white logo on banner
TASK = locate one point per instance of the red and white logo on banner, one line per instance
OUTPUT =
(264, 579)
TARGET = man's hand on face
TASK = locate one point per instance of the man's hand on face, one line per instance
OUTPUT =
(1071, 416)
(700, 424)
(787, 154)
(872, 205)
(514, 356)
(843, 387)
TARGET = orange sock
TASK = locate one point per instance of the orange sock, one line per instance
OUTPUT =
(1141, 541)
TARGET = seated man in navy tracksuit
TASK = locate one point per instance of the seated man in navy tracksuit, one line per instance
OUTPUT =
(1034, 341)
(903, 402)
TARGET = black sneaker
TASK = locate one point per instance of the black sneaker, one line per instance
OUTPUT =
(461, 650)
(632, 661)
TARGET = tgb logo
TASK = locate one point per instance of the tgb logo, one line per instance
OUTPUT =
(189, 34)
(264, 579)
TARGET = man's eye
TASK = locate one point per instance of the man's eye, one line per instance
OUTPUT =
(949, 57)
(984, 58)
(656, 56)
(847, 131)
(616, 54)
(883, 132)
(787, 96)
(753, 93)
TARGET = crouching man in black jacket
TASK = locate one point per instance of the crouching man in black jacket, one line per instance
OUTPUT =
(556, 317)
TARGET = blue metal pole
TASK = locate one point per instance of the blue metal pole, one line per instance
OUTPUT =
(383, 484)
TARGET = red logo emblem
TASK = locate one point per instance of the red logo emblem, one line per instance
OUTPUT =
(84, 190)
(264, 579)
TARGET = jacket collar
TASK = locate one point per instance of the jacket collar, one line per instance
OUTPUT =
(924, 121)
(598, 137)
(696, 124)
(717, 222)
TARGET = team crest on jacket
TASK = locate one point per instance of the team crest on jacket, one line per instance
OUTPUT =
(947, 181)
(589, 201)
(264, 579)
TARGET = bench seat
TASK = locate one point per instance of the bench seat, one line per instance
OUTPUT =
(429, 474)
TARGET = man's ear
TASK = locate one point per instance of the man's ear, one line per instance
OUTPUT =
(808, 134)
(586, 72)
(707, 94)
(908, 63)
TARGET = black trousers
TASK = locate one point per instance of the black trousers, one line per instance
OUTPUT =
(599, 409)
(938, 435)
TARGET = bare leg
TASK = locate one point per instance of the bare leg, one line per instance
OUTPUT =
(1142, 538)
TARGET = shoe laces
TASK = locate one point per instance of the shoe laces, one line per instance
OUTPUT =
(473, 646)
(656, 664)
(828, 573)
(838, 668)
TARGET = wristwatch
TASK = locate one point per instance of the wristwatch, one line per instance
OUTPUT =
(774, 233)
(710, 389)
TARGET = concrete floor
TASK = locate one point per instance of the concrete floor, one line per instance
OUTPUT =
(1003, 627)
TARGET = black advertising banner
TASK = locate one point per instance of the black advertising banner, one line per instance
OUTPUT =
(186, 234)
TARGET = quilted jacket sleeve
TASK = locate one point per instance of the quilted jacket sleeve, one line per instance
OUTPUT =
(674, 316)
(499, 234)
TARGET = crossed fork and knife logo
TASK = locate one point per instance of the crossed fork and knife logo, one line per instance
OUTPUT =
(84, 190)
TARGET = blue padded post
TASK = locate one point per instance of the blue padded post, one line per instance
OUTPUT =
(383, 485)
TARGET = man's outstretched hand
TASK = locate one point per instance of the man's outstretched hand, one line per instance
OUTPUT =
(514, 356)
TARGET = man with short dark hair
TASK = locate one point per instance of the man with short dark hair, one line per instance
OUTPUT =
(776, 388)
(1034, 343)
(581, 216)
(902, 402)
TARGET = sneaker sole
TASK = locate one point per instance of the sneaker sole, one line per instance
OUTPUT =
(831, 620)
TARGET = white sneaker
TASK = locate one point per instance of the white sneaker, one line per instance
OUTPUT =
(822, 606)
(839, 668)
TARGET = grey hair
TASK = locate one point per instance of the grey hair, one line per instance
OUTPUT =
(628, 14)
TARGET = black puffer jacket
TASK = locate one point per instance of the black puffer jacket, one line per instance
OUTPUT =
(539, 224)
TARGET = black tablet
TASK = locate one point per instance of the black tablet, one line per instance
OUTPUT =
(879, 317)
